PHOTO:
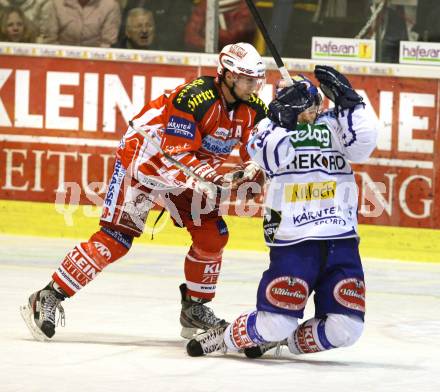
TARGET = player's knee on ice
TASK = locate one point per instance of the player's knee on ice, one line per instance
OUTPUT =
(316, 334)
(274, 327)
(343, 330)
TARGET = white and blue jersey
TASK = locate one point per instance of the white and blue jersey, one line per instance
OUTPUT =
(312, 193)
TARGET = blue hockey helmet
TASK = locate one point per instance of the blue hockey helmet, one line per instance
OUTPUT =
(311, 88)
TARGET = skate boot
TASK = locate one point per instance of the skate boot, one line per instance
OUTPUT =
(207, 342)
(258, 351)
(40, 312)
(195, 315)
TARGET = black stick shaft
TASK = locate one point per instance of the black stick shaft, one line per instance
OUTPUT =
(269, 43)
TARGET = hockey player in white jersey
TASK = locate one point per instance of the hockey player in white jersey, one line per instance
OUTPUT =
(310, 223)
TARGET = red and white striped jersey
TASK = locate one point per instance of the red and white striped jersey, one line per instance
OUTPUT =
(195, 125)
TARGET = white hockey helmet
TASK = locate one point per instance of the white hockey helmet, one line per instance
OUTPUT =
(241, 59)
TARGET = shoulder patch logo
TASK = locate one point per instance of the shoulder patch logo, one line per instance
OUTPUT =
(181, 127)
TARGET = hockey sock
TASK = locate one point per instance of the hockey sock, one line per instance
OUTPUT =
(335, 330)
(242, 332)
(85, 261)
(201, 272)
(310, 337)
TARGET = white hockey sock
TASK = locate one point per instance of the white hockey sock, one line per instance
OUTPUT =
(309, 337)
(258, 327)
(337, 330)
(242, 332)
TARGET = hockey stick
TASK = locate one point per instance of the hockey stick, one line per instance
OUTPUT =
(273, 50)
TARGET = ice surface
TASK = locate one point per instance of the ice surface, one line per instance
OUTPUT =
(122, 331)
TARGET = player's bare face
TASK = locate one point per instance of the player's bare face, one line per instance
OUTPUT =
(309, 115)
(245, 86)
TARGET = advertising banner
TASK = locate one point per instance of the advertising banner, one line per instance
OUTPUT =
(343, 49)
(420, 53)
(61, 120)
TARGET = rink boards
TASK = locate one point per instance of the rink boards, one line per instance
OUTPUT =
(49, 220)
(63, 110)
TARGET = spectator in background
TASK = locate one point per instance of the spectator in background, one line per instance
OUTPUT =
(427, 22)
(81, 22)
(32, 10)
(391, 30)
(15, 27)
(139, 30)
(171, 17)
(236, 24)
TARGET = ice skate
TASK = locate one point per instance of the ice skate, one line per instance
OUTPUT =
(195, 315)
(258, 351)
(207, 342)
(40, 312)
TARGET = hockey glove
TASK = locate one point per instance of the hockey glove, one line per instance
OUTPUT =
(337, 88)
(249, 178)
(212, 185)
(288, 104)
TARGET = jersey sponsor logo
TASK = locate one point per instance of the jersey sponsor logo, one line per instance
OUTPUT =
(177, 149)
(323, 216)
(218, 146)
(181, 127)
(135, 212)
(307, 135)
(239, 333)
(309, 191)
(124, 239)
(200, 98)
(113, 188)
(210, 275)
(212, 269)
(103, 250)
(209, 289)
(271, 224)
(351, 294)
(189, 86)
(192, 96)
(254, 99)
(222, 133)
(78, 267)
(328, 162)
(288, 292)
(304, 340)
(66, 277)
(151, 182)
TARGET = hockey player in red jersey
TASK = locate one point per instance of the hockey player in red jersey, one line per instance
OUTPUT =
(198, 124)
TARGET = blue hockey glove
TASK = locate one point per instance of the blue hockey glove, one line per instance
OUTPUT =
(337, 88)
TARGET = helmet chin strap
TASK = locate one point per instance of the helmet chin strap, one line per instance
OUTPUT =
(231, 89)
(233, 93)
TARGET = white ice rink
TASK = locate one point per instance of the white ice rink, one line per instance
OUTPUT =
(122, 331)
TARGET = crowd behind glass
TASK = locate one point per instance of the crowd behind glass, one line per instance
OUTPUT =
(179, 25)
